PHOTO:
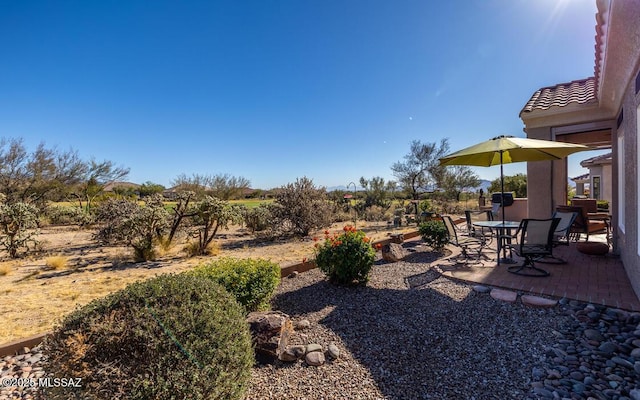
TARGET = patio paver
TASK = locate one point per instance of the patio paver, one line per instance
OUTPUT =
(594, 279)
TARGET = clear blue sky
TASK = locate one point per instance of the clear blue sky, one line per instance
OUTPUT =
(274, 90)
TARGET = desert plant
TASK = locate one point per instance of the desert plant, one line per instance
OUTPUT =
(73, 215)
(140, 227)
(376, 213)
(208, 216)
(251, 281)
(434, 234)
(300, 207)
(18, 223)
(346, 258)
(6, 268)
(171, 337)
(56, 262)
(257, 219)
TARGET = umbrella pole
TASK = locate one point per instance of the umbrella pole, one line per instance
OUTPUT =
(502, 231)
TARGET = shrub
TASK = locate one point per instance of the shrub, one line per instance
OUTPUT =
(377, 213)
(59, 215)
(56, 262)
(300, 207)
(208, 216)
(257, 219)
(603, 204)
(18, 223)
(140, 227)
(434, 234)
(346, 258)
(251, 281)
(171, 337)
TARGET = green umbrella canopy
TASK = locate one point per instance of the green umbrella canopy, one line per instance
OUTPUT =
(509, 149)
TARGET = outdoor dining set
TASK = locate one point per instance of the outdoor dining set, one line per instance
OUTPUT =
(532, 240)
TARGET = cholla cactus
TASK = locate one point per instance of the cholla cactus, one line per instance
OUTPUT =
(18, 226)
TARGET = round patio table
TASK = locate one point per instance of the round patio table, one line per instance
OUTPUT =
(504, 233)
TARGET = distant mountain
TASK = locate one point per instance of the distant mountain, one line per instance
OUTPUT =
(341, 187)
(484, 185)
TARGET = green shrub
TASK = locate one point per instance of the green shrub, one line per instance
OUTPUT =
(603, 204)
(347, 258)
(67, 215)
(251, 281)
(257, 219)
(170, 337)
(434, 234)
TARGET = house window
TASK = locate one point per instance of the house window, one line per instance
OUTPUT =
(595, 188)
(621, 181)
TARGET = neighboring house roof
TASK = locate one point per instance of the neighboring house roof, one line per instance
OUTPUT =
(581, 178)
(597, 160)
(582, 91)
(109, 187)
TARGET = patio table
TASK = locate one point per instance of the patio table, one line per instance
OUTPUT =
(504, 232)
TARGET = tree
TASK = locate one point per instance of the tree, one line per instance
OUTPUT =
(137, 226)
(300, 207)
(516, 183)
(208, 216)
(420, 168)
(18, 223)
(222, 186)
(148, 188)
(458, 178)
(95, 176)
(376, 192)
(39, 176)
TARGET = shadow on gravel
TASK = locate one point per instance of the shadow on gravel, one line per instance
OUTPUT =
(433, 339)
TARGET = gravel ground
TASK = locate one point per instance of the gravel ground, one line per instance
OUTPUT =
(412, 334)
(409, 334)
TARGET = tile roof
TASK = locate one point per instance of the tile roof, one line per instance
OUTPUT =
(582, 91)
(580, 177)
(601, 159)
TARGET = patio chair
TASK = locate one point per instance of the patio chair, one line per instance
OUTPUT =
(583, 225)
(466, 244)
(481, 233)
(534, 241)
(560, 235)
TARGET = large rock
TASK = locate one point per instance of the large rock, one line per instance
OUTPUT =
(270, 332)
(393, 252)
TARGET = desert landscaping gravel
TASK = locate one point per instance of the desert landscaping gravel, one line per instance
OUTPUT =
(411, 333)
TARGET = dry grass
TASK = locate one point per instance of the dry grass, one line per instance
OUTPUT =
(6, 268)
(34, 298)
(56, 262)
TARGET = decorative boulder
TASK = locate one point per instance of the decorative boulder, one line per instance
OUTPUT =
(397, 238)
(270, 332)
(393, 252)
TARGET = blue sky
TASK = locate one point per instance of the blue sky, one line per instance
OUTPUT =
(274, 90)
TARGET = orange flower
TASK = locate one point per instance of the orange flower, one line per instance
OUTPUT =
(378, 246)
(366, 239)
(315, 238)
(326, 232)
(304, 260)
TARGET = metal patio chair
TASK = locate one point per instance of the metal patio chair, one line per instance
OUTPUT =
(470, 247)
(534, 241)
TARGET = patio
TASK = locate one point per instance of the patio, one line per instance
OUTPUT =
(595, 279)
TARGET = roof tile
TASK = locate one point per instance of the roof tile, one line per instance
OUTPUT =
(582, 91)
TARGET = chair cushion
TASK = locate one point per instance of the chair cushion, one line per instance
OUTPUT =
(592, 248)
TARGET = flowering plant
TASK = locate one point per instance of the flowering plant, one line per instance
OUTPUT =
(346, 258)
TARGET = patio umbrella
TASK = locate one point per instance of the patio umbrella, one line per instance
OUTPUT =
(508, 149)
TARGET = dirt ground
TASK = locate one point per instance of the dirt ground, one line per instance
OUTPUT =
(35, 295)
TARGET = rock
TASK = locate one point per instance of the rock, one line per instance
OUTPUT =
(333, 351)
(635, 394)
(593, 334)
(313, 347)
(608, 347)
(504, 295)
(539, 302)
(621, 361)
(303, 324)
(270, 332)
(293, 274)
(635, 353)
(315, 358)
(393, 252)
(481, 289)
(289, 355)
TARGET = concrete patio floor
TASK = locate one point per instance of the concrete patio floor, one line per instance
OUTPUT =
(594, 279)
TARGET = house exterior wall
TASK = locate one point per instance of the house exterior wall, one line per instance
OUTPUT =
(628, 245)
(607, 186)
(540, 201)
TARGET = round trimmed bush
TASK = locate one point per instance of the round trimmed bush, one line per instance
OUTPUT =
(251, 280)
(170, 337)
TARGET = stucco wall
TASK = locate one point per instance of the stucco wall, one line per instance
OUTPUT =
(540, 204)
(628, 241)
